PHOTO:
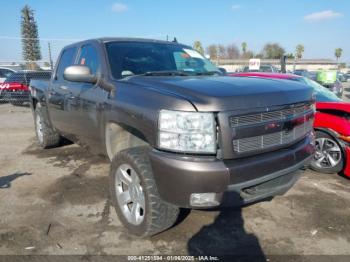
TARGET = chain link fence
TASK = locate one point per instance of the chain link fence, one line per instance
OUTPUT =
(15, 87)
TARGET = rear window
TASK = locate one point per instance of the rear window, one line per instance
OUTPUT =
(5, 72)
(16, 77)
(25, 77)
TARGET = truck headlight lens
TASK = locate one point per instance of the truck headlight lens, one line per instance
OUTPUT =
(190, 132)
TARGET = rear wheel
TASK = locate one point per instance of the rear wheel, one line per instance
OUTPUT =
(328, 157)
(46, 135)
(134, 194)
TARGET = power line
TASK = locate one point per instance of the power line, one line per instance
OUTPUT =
(44, 39)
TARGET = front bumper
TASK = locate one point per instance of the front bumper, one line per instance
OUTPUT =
(346, 170)
(235, 182)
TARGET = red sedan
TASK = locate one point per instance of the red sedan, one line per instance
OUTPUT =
(332, 125)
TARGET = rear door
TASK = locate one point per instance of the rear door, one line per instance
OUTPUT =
(63, 99)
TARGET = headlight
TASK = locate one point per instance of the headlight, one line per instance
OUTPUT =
(190, 132)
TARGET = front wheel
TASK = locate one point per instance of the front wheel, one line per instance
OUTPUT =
(328, 157)
(135, 197)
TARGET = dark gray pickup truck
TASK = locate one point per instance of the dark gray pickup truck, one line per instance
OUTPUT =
(177, 132)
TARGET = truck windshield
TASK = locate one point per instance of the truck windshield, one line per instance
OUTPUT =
(322, 93)
(156, 59)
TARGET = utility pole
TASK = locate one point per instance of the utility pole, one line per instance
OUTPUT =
(50, 57)
(294, 63)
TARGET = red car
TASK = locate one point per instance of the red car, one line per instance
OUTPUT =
(332, 125)
(15, 88)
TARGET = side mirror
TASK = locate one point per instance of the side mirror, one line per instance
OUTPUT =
(79, 73)
(223, 70)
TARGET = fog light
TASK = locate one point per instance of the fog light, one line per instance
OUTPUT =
(205, 199)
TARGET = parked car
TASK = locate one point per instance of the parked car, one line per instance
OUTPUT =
(347, 77)
(312, 75)
(331, 124)
(301, 72)
(337, 88)
(342, 77)
(177, 132)
(15, 88)
(330, 79)
(263, 68)
(5, 73)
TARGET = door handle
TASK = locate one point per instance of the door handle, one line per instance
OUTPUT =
(73, 100)
(63, 87)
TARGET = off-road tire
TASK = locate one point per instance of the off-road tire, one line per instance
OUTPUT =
(50, 138)
(158, 215)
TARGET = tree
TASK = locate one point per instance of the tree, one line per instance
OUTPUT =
(30, 37)
(221, 51)
(342, 65)
(212, 51)
(244, 47)
(197, 45)
(273, 51)
(232, 52)
(338, 52)
(299, 51)
(290, 56)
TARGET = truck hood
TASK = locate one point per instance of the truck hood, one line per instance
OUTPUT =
(222, 93)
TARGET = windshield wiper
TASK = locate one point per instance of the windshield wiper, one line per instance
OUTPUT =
(166, 73)
(209, 73)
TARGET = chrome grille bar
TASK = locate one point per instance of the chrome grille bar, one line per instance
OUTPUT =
(272, 140)
(280, 115)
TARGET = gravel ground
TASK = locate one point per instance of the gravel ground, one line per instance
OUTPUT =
(56, 202)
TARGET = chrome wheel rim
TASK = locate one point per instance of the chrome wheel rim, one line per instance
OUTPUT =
(39, 129)
(130, 194)
(328, 153)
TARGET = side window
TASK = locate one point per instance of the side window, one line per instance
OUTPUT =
(7, 73)
(88, 57)
(67, 59)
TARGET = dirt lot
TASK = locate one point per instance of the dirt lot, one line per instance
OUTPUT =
(56, 202)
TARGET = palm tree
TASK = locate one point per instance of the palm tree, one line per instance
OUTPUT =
(299, 51)
(338, 52)
(197, 45)
(244, 47)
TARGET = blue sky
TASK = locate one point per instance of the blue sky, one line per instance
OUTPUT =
(321, 26)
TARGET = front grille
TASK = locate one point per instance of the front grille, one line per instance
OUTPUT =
(279, 115)
(300, 114)
(271, 140)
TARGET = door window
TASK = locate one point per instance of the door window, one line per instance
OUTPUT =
(88, 57)
(67, 59)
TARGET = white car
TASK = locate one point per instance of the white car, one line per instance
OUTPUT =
(5, 73)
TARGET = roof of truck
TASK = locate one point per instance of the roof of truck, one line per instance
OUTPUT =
(123, 39)
(132, 39)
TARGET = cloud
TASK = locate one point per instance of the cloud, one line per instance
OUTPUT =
(236, 7)
(119, 7)
(323, 15)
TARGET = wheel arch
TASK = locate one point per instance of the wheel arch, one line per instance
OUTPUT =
(119, 137)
